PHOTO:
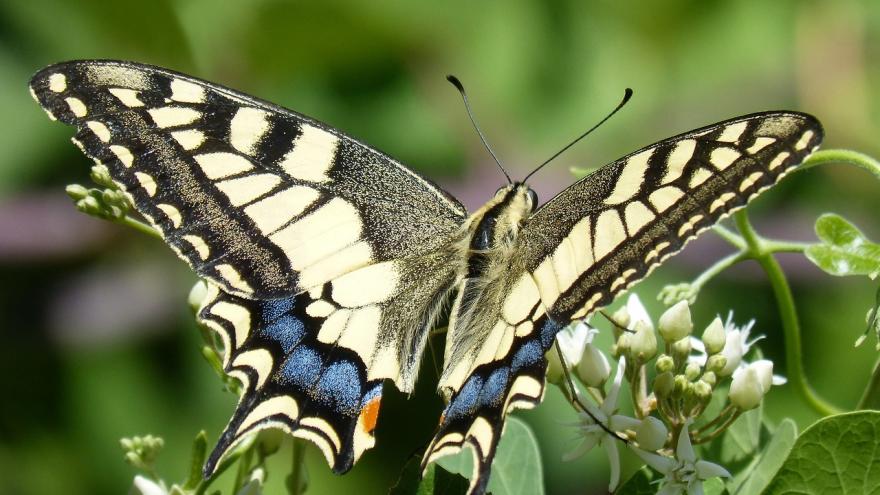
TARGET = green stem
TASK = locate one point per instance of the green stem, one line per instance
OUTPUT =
(296, 481)
(848, 157)
(730, 236)
(787, 313)
(718, 267)
(711, 436)
(140, 226)
(871, 397)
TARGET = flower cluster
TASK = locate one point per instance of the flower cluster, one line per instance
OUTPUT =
(672, 377)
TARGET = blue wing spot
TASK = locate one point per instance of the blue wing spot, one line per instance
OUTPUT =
(493, 390)
(548, 333)
(465, 402)
(276, 308)
(371, 394)
(287, 330)
(340, 383)
(301, 367)
(527, 355)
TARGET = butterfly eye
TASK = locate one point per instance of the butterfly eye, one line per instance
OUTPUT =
(533, 196)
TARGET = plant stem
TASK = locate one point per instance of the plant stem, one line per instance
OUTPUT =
(295, 480)
(854, 158)
(871, 397)
(711, 436)
(140, 226)
(718, 267)
(787, 313)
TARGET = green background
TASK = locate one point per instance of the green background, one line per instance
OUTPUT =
(97, 340)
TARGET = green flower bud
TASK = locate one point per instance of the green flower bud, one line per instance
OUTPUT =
(554, 367)
(682, 348)
(197, 295)
(664, 363)
(716, 363)
(702, 390)
(692, 371)
(621, 317)
(651, 434)
(680, 384)
(664, 383)
(76, 191)
(710, 378)
(643, 344)
(675, 323)
(714, 337)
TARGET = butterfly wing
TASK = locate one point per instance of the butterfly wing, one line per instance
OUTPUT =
(325, 255)
(591, 242)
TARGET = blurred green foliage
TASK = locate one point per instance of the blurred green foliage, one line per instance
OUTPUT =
(538, 74)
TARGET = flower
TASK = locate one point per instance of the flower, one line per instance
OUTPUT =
(684, 473)
(675, 323)
(714, 336)
(750, 383)
(637, 312)
(593, 433)
(651, 433)
(571, 341)
(642, 344)
(146, 486)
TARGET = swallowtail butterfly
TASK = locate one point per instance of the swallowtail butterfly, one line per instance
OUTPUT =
(328, 262)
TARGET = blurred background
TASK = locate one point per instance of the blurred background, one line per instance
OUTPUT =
(98, 342)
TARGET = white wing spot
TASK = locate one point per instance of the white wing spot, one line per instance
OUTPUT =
(123, 154)
(199, 246)
(248, 188)
(189, 139)
(275, 211)
(146, 181)
(609, 232)
(732, 132)
(678, 158)
(630, 179)
(665, 197)
(637, 215)
(312, 155)
(172, 213)
(233, 278)
(804, 140)
(320, 309)
(57, 82)
(76, 106)
(187, 92)
(369, 285)
(759, 144)
(128, 97)
(750, 180)
(721, 158)
(173, 116)
(221, 164)
(246, 128)
(778, 160)
(699, 177)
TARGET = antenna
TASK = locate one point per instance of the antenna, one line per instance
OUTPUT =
(460, 87)
(626, 96)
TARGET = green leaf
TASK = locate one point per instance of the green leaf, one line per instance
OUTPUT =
(760, 472)
(835, 455)
(436, 481)
(639, 483)
(714, 486)
(742, 439)
(844, 249)
(517, 466)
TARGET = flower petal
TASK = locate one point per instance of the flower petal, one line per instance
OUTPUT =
(706, 470)
(684, 450)
(146, 486)
(660, 463)
(589, 441)
(610, 445)
(610, 402)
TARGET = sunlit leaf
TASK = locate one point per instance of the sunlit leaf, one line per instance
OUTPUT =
(835, 455)
(844, 250)
(759, 473)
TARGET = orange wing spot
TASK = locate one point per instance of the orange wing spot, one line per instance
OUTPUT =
(370, 414)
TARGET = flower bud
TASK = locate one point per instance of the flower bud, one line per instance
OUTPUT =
(716, 364)
(621, 317)
(593, 368)
(710, 378)
(702, 390)
(197, 295)
(680, 384)
(733, 352)
(664, 363)
(714, 337)
(554, 372)
(675, 323)
(651, 434)
(682, 348)
(643, 344)
(692, 371)
(664, 383)
(746, 390)
(76, 191)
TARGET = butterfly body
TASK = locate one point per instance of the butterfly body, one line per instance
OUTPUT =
(329, 262)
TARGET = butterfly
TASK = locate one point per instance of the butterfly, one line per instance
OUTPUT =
(329, 262)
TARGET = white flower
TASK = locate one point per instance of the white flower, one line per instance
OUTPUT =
(571, 341)
(254, 486)
(714, 336)
(593, 434)
(637, 312)
(146, 486)
(750, 383)
(684, 473)
(651, 433)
